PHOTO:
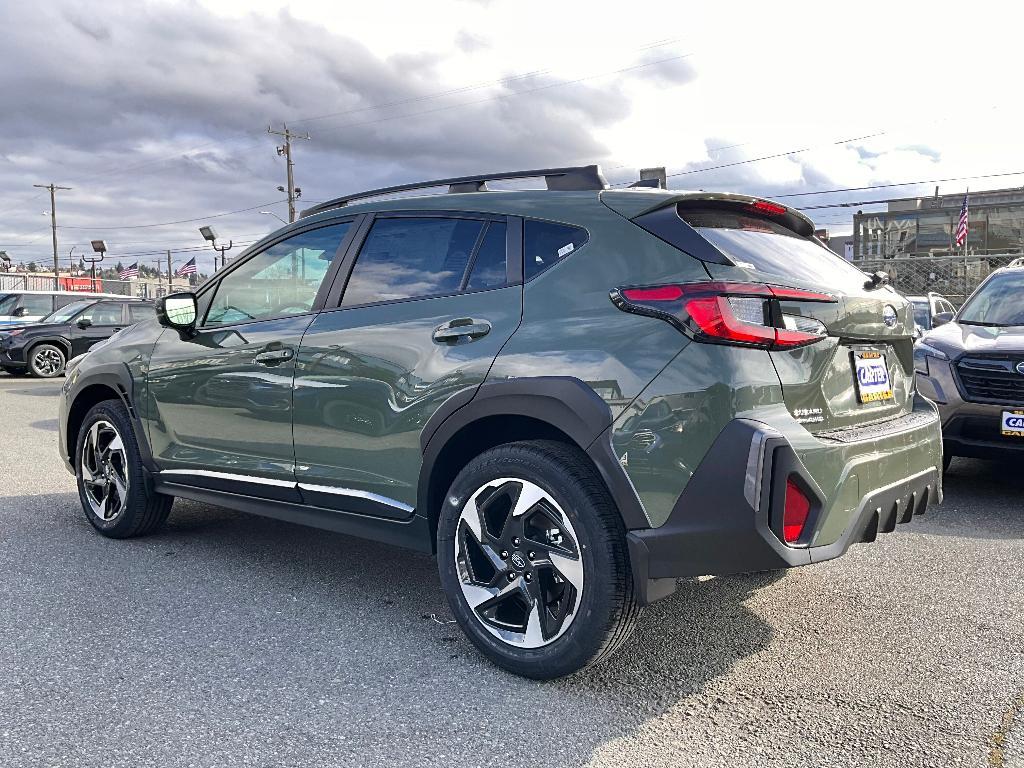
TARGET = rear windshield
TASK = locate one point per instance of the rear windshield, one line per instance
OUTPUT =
(996, 303)
(767, 246)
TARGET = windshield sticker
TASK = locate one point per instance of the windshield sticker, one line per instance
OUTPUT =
(565, 250)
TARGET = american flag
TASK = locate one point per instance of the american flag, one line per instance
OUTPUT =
(961, 229)
(188, 268)
(129, 272)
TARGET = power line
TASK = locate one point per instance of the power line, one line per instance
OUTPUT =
(182, 221)
(904, 184)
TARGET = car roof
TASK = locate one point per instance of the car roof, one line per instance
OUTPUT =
(84, 294)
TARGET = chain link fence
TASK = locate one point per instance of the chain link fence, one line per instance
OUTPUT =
(955, 277)
(145, 288)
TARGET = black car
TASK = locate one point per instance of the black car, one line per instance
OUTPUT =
(43, 349)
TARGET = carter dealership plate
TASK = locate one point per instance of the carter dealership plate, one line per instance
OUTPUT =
(1013, 423)
(872, 376)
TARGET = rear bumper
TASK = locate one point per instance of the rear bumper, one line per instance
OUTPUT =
(726, 519)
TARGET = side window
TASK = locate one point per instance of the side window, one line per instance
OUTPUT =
(139, 312)
(489, 269)
(281, 281)
(406, 258)
(61, 300)
(544, 244)
(37, 305)
(103, 313)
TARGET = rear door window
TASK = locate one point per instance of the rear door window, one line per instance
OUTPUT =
(37, 305)
(489, 267)
(140, 312)
(103, 313)
(767, 246)
(546, 243)
(407, 258)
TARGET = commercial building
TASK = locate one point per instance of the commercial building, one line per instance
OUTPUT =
(924, 226)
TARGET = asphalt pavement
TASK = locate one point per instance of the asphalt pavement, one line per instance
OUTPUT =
(232, 640)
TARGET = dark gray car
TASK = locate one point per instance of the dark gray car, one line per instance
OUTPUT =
(973, 368)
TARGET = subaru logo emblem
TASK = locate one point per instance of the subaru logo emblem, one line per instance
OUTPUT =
(1020, 368)
(517, 560)
(889, 316)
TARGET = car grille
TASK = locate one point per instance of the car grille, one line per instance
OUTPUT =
(991, 380)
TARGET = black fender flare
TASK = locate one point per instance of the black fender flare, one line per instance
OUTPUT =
(563, 402)
(57, 341)
(117, 378)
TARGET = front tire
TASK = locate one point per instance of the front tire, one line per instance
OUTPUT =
(533, 560)
(111, 483)
(46, 361)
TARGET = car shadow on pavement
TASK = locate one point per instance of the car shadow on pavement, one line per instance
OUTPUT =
(982, 501)
(306, 616)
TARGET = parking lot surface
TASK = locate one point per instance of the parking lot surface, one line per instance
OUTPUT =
(231, 640)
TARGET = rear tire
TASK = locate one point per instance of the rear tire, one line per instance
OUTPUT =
(533, 560)
(111, 482)
(947, 459)
(46, 361)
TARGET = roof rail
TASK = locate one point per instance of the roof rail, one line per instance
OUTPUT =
(574, 178)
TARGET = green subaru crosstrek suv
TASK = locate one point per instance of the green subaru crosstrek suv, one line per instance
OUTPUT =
(573, 396)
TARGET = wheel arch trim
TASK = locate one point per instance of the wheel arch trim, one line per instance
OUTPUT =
(565, 403)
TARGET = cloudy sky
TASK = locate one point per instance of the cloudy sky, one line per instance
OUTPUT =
(155, 113)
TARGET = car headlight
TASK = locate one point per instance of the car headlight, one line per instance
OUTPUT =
(922, 352)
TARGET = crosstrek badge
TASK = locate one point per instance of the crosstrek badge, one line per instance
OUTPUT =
(1013, 423)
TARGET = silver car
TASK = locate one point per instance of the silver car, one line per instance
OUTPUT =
(973, 367)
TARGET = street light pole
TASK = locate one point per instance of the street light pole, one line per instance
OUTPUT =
(53, 225)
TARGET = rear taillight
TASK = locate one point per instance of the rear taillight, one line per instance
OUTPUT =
(796, 512)
(746, 314)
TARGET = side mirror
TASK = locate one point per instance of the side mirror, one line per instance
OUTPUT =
(941, 318)
(178, 311)
(83, 322)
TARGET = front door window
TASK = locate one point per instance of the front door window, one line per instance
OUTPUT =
(281, 281)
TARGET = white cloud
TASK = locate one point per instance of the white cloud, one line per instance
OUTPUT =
(155, 112)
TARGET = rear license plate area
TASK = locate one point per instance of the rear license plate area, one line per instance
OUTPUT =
(871, 376)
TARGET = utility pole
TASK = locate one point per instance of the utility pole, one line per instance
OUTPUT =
(53, 224)
(286, 150)
(170, 274)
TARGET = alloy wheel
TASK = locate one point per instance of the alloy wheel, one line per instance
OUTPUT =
(519, 562)
(104, 468)
(47, 362)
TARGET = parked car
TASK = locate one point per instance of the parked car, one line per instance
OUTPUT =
(973, 368)
(926, 308)
(42, 349)
(23, 307)
(573, 397)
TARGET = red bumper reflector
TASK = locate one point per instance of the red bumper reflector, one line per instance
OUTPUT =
(794, 517)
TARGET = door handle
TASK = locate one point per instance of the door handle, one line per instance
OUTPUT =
(273, 357)
(463, 328)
